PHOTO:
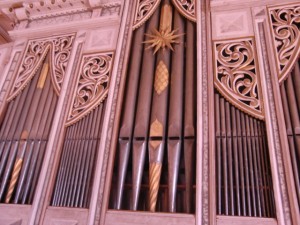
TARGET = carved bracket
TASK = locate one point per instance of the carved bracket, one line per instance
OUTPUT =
(92, 85)
(36, 51)
(285, 25)
(236, 75)
(144, 10)
(187, 8)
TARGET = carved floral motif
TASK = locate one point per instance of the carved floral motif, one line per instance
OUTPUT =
(236, 75)
(60, 48)
(144, 10)
(285, 25)
(92, 86)
(187, 8)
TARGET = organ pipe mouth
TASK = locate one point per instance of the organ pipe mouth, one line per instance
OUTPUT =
(24, 135)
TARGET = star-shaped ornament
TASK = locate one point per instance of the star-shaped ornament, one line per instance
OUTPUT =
(162, 39)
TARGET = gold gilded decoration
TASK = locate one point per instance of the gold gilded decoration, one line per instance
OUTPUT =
(43, 76)
(92, 85)
(154, 178)
(156, 130)
(187, 8)
(285, 23)
(144, 10)
(236, 75)
(165, 37)
(17, 169)
(166, 17)
(60, 48)
(14, 178)
(161, 77)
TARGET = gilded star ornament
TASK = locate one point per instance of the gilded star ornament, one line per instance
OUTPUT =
(162, 39)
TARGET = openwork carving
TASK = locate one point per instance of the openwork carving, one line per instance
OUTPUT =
(187, 8)
(92, 86)
(144, 10)
(61, 51)
(236, 75)
(285, 21)
(36, 52)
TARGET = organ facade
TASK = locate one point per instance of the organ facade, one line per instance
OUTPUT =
(149, 111)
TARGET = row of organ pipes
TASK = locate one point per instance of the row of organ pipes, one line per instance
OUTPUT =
(244, 182)
(290, 96)
(24, 134)
(155, 158)
(75, 172)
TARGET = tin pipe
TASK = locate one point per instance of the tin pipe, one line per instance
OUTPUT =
(236, 174)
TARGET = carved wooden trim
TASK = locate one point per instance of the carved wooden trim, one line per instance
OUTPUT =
(92, 85)
(285, 23)
(187, 8)
(236, 75)
(144, 10)
(36, 51)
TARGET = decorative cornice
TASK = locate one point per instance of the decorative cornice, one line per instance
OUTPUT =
(236, 75)
(285, 23)
(92, 85)
(35, 12)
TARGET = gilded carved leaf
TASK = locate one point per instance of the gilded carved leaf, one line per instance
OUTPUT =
(60, 48)
(187, 8)
(285, 26)
(236, 75)
(92, 85)
(144, 10)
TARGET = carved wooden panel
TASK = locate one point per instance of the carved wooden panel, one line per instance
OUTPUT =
(231, 24)
(236, 75)
(187, 8)
(92, 86)
(144, 9)
(285, 29)
(60, 50)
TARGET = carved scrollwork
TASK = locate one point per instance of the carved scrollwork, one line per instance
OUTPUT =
(144, 10)
(285, 25)
(236, 75)
(92, 86)
(61, 51)
(36, 52)
(187, 8)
